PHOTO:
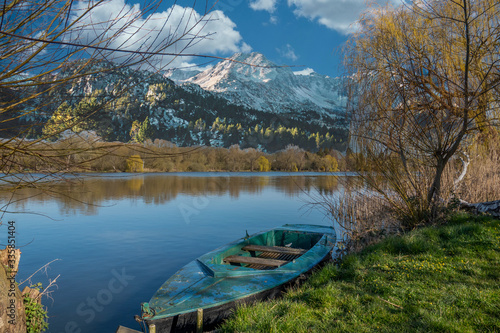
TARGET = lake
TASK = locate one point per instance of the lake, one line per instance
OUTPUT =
(118, 237)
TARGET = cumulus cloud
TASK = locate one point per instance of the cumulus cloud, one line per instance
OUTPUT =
(178, 30)
(186, 66)
(245, 48)
(339, 15)
(267, 5)
(288, 52)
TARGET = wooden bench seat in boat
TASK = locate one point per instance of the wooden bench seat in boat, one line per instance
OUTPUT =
(274, 249)
(255, 261)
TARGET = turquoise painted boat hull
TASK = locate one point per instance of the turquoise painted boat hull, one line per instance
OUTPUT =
(216, 284)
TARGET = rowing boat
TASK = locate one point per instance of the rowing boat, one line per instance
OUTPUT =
(256, 267)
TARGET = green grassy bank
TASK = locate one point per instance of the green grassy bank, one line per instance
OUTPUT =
(435, 279)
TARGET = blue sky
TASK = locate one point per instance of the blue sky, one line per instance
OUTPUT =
(302, 33)
(286, 38)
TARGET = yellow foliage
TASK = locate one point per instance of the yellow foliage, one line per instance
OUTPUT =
(264, 164)
(332, 164)
(135, 164)
(424, 77)
(135, 183)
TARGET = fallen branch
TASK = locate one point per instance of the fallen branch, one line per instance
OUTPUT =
(395, 305)
(491, 207)
(47, 292)
(44, 267)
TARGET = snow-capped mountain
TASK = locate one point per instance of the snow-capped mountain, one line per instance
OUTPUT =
(180, 76)
(251, 80)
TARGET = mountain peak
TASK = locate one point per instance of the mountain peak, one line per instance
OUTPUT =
(241, 67)
(250, 79)
(253, 58)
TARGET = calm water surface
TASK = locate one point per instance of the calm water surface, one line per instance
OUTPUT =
(119, 237)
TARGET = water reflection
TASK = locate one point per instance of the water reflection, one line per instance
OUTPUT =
(85, 194)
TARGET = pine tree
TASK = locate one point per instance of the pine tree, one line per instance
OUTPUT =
(144, 132)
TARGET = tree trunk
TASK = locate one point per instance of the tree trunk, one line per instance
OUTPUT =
(435, 190)
(12, 315)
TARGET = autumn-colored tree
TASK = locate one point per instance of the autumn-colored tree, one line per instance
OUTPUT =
(235, 158)
(135, 164)
(134, 130)
(264, 164)
(140, 132)
(331, 163)
(425, 76)
(292, 158)
(62, 118)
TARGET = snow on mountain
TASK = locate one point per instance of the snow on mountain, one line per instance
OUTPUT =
(179, 75)
(251, 80)
(307, 71)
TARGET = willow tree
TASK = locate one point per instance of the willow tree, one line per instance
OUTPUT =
(48, 46)
(425, 77)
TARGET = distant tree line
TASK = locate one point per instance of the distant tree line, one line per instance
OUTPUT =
(88, 154)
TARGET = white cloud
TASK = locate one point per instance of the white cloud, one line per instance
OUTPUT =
(267, 5)
(176, 30)
(245, 48)
(288, 52)
(306, 71)
(339, 15)
(185, 66)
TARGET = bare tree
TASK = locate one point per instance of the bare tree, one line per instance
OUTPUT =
(426, 77)
(251, 156)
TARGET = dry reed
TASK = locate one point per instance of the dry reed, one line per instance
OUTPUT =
(482, 182)
(360, 216)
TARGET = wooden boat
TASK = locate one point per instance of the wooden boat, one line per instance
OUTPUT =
(253, 268)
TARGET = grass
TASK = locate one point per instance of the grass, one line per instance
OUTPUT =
(434, 279)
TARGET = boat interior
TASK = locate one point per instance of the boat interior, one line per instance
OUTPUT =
(270, 250)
